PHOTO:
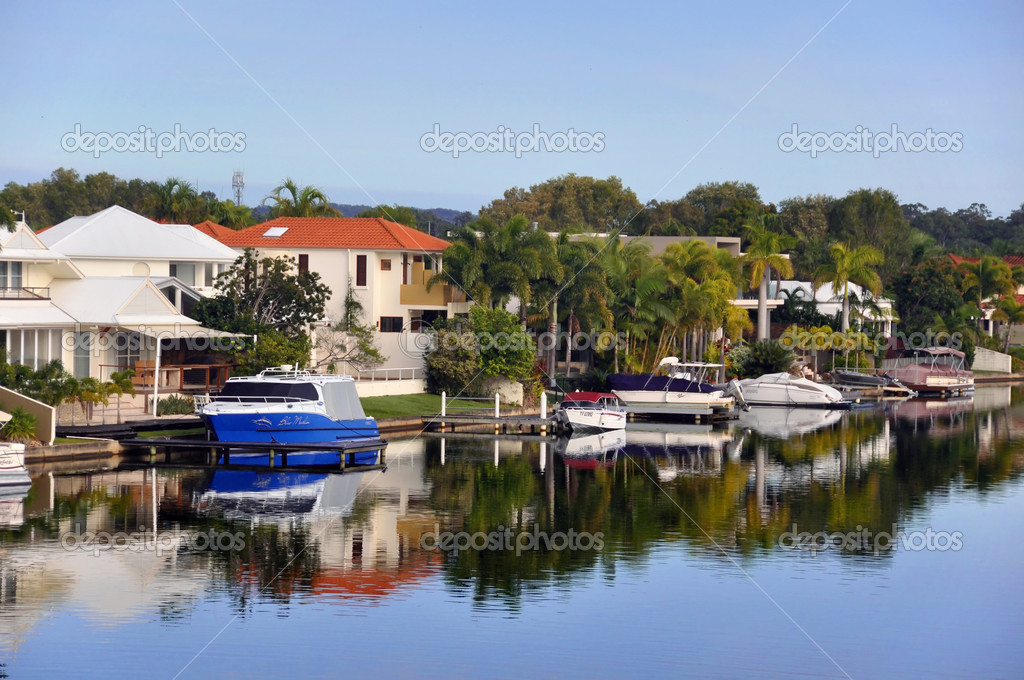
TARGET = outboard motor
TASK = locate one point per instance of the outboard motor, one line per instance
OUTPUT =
(733, 388)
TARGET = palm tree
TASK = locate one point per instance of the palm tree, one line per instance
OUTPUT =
(986, 278)
(850, 266)
(291, 200)
(174, 201)
(580, 285)
(119, 384)
(764, 254)
(1010, 312)
(638, 284)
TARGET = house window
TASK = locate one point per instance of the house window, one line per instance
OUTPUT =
(391, 324)
(303, 263)
(83, 348)
(385, 265)
(10, 275)
(128, 346)
(360, 270)
(184, 271)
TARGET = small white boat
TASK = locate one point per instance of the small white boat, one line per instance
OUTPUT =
(13, 472)
(591, 411)
(785, 389)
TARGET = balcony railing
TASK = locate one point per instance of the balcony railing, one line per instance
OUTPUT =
(24, 293)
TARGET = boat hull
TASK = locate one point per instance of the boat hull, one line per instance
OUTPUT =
(651, 399)
(272, 427)
(12, 465)
(593, 419)
(783, 390)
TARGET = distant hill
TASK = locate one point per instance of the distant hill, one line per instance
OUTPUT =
(440, 220)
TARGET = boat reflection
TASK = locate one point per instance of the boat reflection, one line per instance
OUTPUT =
(782, 422)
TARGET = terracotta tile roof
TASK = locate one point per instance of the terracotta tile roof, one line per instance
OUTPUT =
(358, 233)
(1012, 260)
(213, 229)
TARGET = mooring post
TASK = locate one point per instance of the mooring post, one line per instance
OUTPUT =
(497, 412)
(381, 455)
(544, 412)
(271, 457)
(342, 453)
(152, 454)
(444, 407)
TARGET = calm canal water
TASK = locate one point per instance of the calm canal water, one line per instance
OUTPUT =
(878, 543)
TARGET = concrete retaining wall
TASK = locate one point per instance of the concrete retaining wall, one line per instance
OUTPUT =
(383, 388)
(987, 360)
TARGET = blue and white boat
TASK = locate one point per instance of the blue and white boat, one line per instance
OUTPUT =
(288, 406)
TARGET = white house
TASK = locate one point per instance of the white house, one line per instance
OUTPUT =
(386, 264)
(879, 316)
(98, 292)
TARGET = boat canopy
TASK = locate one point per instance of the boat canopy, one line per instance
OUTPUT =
(342, 400)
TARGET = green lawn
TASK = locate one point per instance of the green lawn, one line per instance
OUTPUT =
(411, 405)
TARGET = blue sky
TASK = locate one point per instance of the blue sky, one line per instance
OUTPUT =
(357, 85)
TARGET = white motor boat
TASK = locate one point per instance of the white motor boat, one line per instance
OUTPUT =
(674, 385)
(785, 389)
(583, 411)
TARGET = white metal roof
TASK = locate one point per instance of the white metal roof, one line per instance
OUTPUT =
(33, 314)
(101, 300)
(117, 233)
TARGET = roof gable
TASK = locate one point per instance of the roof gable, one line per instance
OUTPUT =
(21, 237)
(356, 233)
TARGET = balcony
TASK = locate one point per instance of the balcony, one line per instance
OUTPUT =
(24, 293)
(415, 293)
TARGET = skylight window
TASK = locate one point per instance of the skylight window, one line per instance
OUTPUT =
(275, 232)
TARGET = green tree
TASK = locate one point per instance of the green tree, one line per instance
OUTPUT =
(764, 254)
(267, 292)
(395, 213)
(988, 277)
(926, 290)
(601, 205)
(638, 283)
(850, 265)
(291, 200)
(176, 201)
(505, 348)
(873, 217)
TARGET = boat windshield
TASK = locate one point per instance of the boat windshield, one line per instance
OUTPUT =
(245, 390)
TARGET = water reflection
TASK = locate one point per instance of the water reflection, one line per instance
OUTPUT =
(356, 539)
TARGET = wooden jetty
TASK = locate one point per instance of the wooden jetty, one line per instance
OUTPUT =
(347, 451)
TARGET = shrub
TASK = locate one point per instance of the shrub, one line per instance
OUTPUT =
(21, 428)
(763, 356)
(175, 405)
